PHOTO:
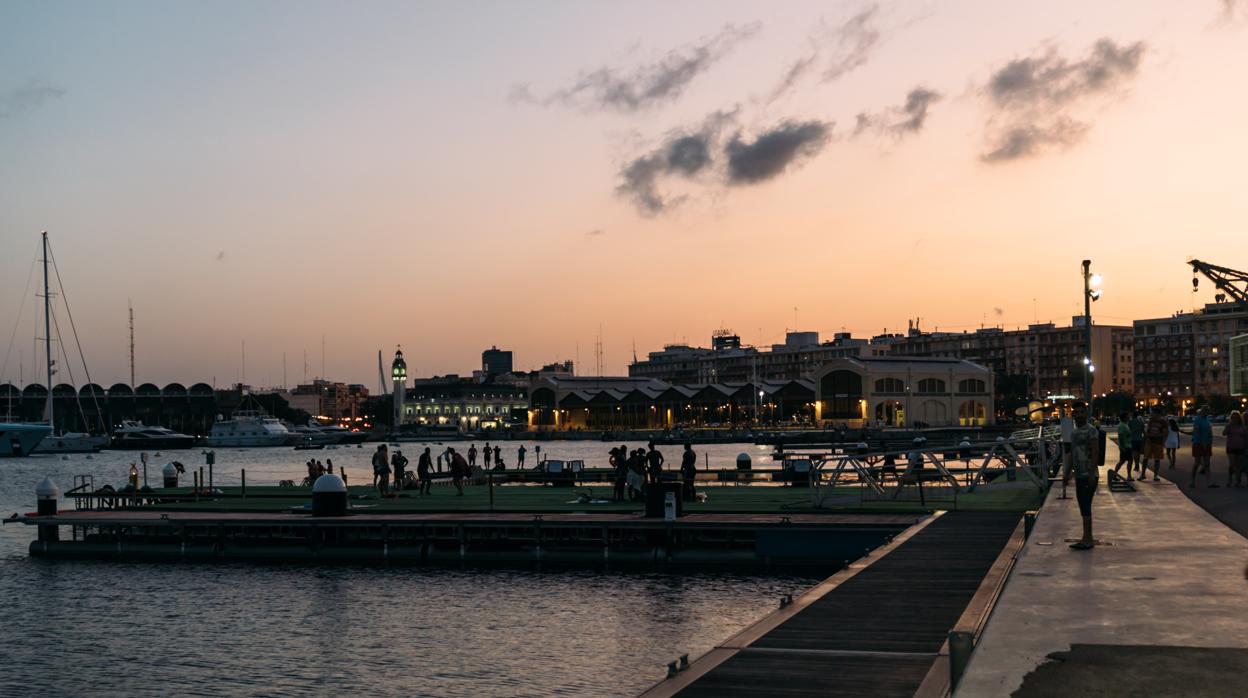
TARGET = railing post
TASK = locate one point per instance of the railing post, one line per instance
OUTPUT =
(961, 644)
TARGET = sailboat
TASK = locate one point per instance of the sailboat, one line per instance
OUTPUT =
(59, 442)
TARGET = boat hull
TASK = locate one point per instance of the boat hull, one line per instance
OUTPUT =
(71, 443)
(18, 440)
(154, 443)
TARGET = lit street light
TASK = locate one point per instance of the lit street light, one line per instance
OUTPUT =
(1090, 294)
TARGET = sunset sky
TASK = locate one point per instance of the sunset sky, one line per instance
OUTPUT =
(448, 176)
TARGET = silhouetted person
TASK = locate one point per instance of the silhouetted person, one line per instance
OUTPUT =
(498, 457)
(1081, 464)
(654, 459)
(459, 470)
(424, 466)
(399, 462)
(520, 457)
(619, 464)
(487, 454)
(689, 471)
(381, 469)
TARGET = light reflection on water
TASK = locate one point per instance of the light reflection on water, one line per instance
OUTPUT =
(191, 629)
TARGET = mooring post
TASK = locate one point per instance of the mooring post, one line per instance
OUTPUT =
(490, 479)
(210, 477)
(48, 496)
(961, 644)
(244, 476)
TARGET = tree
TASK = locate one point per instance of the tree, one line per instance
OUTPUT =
(1113, 403)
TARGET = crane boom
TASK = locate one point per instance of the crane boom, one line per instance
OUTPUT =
(1232, 282)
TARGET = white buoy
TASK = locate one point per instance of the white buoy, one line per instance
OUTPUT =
(329, 496)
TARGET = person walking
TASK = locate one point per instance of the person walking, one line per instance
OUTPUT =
(1236, 443)
(424, 465)
(688, 472)
(1081, 464)
(1154, 443)
(1137, 440)
(399, 462)
(1124, 444)
(1202, 447)
(472, 455)
(459, 470)
(520, 457)
(1172, 441)
(487, 455)
(381, 469)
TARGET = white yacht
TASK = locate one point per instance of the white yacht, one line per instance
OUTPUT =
(313, 434)
(249, 428)
(72, 442)
(136, 435)
(18, 439)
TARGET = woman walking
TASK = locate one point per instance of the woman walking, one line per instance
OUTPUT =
(1236, 442)
(1172, 440)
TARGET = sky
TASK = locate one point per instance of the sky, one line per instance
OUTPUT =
(257, 178)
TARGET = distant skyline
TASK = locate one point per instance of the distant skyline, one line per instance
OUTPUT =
(449, 177)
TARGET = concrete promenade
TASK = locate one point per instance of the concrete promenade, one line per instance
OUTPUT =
(1160, 609)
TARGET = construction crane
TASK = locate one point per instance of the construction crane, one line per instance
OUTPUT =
(1229, 282)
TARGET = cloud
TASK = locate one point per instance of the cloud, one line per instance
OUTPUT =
(684, 153)
(596, 232)
(910, 117)
(852, 44)
(774, 151)
(221, 255)
(644, 86)
(840, 50)
(29, 96)
(998, 311)
(1035, 101)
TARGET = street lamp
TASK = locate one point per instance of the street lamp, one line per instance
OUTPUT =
(1091, 293)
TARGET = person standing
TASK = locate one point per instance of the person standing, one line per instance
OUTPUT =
(423, 467)
(1202, 447)
(329, 466)
(487, 454)
(1236, 443)
(1137, 439)
(399, 462)
(498, 459)
(1081, 464)
(381, 469)
(1172, 441)
(636, 465)
(688, 472)
(520, 457)
(459, 469)
(1154, 443)
(1124, 444)
(472, 455)
(655, 460)
(620, 474)
(446, 456)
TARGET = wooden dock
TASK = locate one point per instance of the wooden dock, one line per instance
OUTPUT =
(878, 628)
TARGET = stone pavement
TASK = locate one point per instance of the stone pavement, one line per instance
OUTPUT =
(1169, 576)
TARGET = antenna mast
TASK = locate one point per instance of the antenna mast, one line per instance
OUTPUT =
(47, 327)
(131, 306)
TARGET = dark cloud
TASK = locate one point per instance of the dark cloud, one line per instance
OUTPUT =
(1035, 100)
(647, 85)
(907, 118)
(840, 50)
(998, 311)
(772, 152)
(221, 255)
(596, 232)
(29, 96)
(684, 153)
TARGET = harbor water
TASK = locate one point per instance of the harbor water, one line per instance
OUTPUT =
(128, 629)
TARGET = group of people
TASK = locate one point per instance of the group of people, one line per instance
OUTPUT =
(1156, 437)
(385, 465)
(315, 470)
(496, 454)
(640, 468)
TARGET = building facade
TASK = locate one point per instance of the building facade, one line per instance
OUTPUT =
(1187, 355)
(727, 361)
(904, 391)
(495, 361)
(465, 403)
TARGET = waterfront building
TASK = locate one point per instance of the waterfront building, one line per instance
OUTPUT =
(1186, 355)
(327, 400)
(903, 391)
(495, 361)
(727, 361)
(1238, 358)
(464, 403)
(1038, 361)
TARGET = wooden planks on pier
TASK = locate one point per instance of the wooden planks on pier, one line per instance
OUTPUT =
(875, 630)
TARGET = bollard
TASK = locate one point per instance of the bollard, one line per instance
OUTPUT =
(743, 461)
(210, 477)
(170, 474)
(961, 644)
(329, 496)
(669, 506)
(48, 495)
(244, 476)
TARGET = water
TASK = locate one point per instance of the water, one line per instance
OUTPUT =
(185, 629)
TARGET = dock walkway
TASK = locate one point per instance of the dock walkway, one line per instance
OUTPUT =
(1158, 610)
(875, 629)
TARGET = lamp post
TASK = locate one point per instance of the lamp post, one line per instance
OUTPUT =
(1090, 294)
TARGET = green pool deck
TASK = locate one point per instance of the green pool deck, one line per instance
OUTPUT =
(538, 499)
(1158, 610)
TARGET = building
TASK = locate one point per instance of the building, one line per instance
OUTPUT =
(624, 402)
(903, 391)
(1239, 365)
(495, 361)
(328, 400)
(1038, 361)
(465, 403)
(398, 380)
(1187, 355)
(727, 361)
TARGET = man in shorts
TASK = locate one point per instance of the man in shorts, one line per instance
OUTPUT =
(1137, 440)
(1124, 444)
(1081, 464)
(1202, 447)
(1155, 443)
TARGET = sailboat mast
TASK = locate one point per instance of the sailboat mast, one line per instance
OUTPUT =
(47, 327)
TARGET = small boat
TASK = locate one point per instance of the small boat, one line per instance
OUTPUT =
(19, 439)
(309, 445)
